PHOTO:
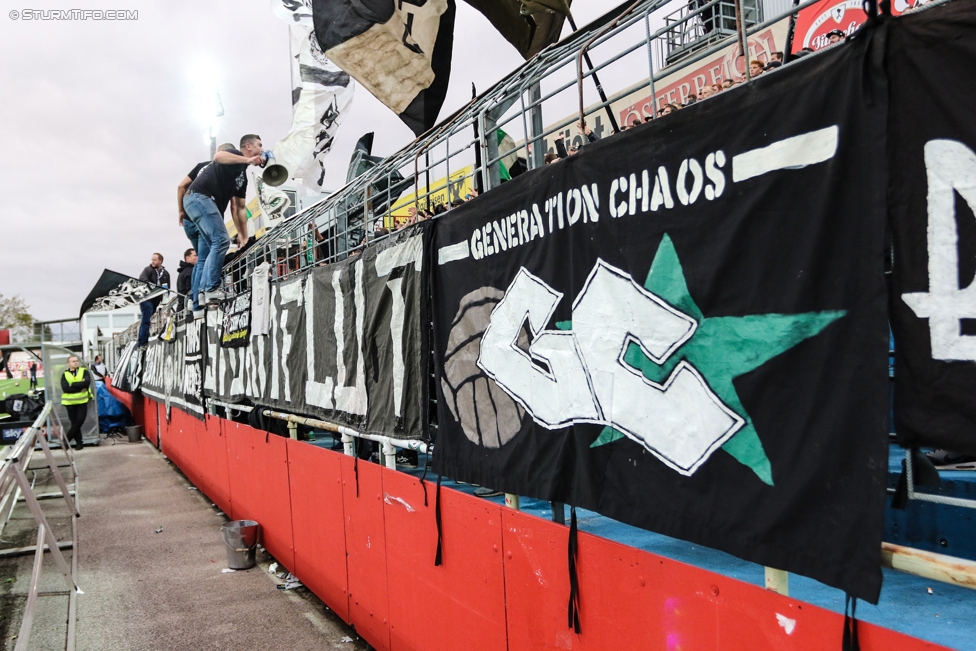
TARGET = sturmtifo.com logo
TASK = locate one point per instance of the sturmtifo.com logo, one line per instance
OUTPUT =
(74, 14)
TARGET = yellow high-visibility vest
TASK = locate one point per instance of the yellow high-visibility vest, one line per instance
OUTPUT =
(75, 397)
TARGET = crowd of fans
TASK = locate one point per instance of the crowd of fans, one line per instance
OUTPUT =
(416, 214)
(756, 69)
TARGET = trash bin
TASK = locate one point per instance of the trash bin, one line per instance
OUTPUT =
(241, 539)
(134, 432)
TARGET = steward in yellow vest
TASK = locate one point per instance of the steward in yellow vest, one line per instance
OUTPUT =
(75, 396)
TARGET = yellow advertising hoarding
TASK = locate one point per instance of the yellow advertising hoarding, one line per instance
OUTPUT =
(445, 190)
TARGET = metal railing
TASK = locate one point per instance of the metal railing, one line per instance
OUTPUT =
(15, 486)
(348, 435)
(60, 331)
(502, 132)
(930, 497)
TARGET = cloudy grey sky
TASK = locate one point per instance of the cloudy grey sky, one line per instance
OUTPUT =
(97, 127)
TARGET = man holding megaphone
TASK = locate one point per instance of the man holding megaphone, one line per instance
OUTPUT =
(204, 202)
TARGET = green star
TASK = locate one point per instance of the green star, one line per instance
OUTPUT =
(722, 349)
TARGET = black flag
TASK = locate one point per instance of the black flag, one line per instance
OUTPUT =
(528, 25)
(932, 204)
(399, 50)
(114, 290)
(683, 326)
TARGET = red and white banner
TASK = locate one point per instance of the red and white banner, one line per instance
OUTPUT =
(815, 22)
(728, 64)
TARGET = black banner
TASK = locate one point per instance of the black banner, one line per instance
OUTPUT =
(193, 363)
(236, 323)
(528, 27)
(683, 326)
(932, 198)
(128, 369)
(345, 344)
(172, 369)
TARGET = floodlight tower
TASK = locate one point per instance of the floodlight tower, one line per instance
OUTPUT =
(208, 104)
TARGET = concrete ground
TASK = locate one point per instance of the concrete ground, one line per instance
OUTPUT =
(149, 562)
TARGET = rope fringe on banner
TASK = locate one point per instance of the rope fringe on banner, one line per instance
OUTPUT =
(438, 556)
(574, 608)
(850, 642)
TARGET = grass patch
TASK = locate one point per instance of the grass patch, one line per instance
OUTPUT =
(11, 387)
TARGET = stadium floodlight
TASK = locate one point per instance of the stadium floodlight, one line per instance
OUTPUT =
(206, 98)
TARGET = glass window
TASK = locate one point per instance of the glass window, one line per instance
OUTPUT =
(93, 321)
(122, 320)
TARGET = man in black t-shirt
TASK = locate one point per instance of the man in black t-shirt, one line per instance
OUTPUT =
(205, 200)
(190, 228)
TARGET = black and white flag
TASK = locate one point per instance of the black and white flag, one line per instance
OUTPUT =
(319, 101)
(128, 370)
(399, 51)
(114, 290)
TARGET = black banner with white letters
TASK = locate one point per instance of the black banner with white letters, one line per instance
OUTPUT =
(932, 198)
(683, 327)
(345, 343)
(236, 322)
(128, 370)
(172, 369)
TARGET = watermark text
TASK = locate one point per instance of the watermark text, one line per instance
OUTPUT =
(74, 14)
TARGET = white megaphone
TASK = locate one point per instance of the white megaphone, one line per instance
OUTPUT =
(274, 173)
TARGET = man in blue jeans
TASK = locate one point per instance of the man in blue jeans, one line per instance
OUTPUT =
(191, 229)
(157, 276)
(206, 198)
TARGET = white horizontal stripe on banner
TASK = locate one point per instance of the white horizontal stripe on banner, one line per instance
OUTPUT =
(453, 252)
(789, 154)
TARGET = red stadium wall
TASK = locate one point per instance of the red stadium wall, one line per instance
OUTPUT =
(364, 542)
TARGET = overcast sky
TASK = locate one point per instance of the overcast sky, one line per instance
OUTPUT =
(97, 127)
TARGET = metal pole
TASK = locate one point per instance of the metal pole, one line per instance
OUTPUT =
(427, 174)
(596, 80)
(57, 474)
(35, 510)
(650, 64)
(536, 127)
(740, 27)
(25, 624)
(389, 455)
(938, 567)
